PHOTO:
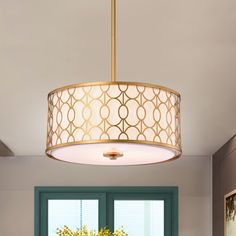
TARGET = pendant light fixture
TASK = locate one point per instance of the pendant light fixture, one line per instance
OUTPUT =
(114, 123)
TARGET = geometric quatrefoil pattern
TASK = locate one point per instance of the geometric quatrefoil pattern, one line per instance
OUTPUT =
(119, 111)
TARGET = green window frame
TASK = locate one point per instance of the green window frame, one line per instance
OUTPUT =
(106, 197)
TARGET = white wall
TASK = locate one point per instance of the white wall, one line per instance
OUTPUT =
(19, 175)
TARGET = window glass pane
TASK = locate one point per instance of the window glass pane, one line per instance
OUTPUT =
(73, 213)
(140, 218)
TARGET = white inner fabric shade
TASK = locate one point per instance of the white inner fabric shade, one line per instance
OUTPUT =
(133, 154)
(109, 112)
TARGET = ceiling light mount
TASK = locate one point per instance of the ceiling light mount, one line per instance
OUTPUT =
(85, 120)
(113, 154)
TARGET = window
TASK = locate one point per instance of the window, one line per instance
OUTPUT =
(145, 217)
(142, 211)
(74, 213)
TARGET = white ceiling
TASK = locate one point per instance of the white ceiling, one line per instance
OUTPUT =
(187, 45)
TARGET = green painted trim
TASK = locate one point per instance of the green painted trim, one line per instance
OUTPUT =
(37, 212)
(175, 212)
(106, 196)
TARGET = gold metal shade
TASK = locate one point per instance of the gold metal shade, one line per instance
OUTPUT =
(114, 123)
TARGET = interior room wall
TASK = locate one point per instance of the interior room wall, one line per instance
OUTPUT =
(224, 181)
(19, 175)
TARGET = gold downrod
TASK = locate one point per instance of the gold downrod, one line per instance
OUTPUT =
(113, 40)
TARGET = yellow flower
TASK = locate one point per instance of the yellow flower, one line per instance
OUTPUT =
(66, 231)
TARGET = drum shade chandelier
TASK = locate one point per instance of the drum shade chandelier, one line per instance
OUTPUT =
(113, 123)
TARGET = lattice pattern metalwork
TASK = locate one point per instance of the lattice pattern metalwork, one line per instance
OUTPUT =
(114, 112)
